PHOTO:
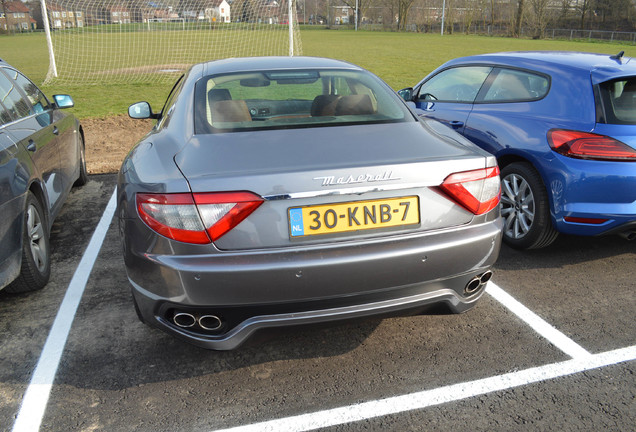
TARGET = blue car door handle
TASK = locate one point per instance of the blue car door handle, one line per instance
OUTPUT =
(456, 124)
(31, 146)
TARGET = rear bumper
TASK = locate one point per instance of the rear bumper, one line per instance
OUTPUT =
(238, 334)
(250, 291)
(583, 189)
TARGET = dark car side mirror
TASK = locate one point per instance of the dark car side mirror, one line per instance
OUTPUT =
(406, 94)
(141, 110)
(63, 101)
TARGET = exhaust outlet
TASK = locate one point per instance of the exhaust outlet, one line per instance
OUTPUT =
(629, 235)
(472, 286)
(485, 277)
(477, 283)
(184, 320)
(210, 322)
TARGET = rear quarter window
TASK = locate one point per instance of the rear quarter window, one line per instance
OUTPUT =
(509, 85)
(618, 99)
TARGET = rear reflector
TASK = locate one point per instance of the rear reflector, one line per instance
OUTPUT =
(196, 218)
(478, 191)
(585, 145)
(590, 221)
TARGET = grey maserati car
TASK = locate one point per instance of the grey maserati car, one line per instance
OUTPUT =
(277, 191)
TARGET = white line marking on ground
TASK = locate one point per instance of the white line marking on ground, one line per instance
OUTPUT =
(37, 394)
(428, 398)
(539, 325)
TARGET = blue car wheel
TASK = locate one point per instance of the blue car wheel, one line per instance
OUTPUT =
(525, 208)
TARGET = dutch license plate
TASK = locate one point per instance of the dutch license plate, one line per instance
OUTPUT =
(353, 216)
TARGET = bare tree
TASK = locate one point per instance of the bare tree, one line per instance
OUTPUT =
(518, 18)
(583, 6)
(540, 16)
(403, 7)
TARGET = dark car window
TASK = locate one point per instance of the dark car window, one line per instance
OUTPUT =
(460, 84)
(16, 104)
(38, 101)
(619, 100)
(514, 85)
(294, 99)
(5, 116)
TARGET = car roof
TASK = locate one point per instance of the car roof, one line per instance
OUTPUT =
(602, 67)
(253, 64)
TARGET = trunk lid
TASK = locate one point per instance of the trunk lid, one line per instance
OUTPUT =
(335, 169)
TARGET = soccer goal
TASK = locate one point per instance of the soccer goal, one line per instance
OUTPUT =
(110, 41)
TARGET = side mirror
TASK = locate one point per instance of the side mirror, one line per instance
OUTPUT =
(141, 110)
(64, 101)
(406, 94)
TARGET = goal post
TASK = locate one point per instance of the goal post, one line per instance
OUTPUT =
(110, 41)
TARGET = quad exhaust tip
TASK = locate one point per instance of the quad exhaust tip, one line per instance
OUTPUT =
(210, 322)
(184, 320)
(205, 322)
(477, 283)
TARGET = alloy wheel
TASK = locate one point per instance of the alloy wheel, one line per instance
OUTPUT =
(37, 240)
(517, 206)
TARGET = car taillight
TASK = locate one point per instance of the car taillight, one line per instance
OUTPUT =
(585, 145)
(196, 218)
(478, 191)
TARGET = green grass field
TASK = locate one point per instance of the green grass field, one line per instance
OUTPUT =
(401, 59)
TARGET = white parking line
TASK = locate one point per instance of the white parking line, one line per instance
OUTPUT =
(37, 394)
(428, 398)
(537, 323)
(581, 361)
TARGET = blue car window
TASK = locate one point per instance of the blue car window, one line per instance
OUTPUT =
(514, 86)
(619, 97)
(459, 84)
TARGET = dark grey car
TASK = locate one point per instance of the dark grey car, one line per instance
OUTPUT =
(41, 157)
(277, 191)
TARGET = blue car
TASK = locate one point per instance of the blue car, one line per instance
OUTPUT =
(563, 128)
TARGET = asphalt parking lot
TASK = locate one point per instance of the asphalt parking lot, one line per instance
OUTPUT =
(551, 346)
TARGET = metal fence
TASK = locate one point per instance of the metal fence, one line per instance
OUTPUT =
(503, 30)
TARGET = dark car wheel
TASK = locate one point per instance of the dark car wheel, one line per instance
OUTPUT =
(83, 175)
(36, 252)
(525, 208)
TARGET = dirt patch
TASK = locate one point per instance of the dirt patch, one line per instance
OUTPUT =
(109, 140)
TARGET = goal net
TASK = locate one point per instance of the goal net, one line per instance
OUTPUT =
(113, 41)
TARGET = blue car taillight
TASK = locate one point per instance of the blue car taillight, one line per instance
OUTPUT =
(585, 145)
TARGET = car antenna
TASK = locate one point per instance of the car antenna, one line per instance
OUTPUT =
(618, 56)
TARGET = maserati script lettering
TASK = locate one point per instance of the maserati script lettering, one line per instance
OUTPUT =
(362, 178)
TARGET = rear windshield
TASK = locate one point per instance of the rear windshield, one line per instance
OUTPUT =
(619, 101)
(292, 99)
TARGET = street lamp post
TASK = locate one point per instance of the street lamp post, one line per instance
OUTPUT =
(443, 15)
